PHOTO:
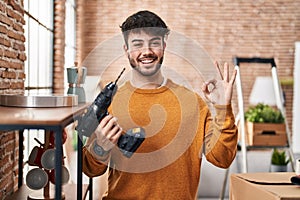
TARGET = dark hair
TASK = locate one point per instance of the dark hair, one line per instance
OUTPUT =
(146, 21)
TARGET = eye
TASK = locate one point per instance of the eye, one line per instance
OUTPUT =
(155, 44)
(137, 44)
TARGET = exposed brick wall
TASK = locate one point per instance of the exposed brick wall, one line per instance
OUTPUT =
(9, 163)
(12, 76)
(224, 28)
(12, 57)
(59, 47)
(289, 96)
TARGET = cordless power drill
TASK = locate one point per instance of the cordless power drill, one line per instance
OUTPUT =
(89, 121)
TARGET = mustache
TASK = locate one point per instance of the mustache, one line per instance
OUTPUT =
(148, 56)
(133, 66)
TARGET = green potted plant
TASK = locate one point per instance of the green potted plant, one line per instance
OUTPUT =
(279, 161)
(265, 126)
(262, 113)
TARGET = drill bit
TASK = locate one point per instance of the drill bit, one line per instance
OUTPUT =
(120, 75)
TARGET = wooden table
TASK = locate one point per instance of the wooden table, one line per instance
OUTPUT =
(55, 119)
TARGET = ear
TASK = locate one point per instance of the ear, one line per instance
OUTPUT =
(165, 38)
(164, 45)
(125, 49)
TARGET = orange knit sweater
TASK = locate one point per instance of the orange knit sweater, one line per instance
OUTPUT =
(179, 130)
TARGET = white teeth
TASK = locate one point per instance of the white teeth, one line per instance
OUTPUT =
(146, 61)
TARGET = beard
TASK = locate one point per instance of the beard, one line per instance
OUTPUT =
(136, 67)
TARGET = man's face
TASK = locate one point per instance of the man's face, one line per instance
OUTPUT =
(145, 52)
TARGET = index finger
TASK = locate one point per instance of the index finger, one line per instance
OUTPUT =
(105, 120)
(218, 69)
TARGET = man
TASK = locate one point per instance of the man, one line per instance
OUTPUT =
(178, 124)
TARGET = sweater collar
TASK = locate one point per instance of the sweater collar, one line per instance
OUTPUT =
(164, 86)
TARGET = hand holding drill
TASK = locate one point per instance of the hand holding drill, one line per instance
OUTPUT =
(108, 131)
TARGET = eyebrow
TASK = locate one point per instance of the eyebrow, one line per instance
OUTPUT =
(140, 40)
(156, 38)
(137, 40)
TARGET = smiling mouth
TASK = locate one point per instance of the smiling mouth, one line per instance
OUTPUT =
(147, 60)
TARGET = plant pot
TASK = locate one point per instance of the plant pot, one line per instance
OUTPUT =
(278, 168)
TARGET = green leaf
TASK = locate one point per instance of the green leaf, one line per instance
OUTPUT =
(263, 113)
(279, 158)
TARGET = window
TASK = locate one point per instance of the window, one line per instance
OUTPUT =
(39, 35)
(39, 64)
(39, 46)
(70, 39)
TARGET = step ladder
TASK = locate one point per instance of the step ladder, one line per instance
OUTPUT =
(241, 114)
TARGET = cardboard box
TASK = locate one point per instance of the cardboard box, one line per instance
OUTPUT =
(263, 186)
(266, 134)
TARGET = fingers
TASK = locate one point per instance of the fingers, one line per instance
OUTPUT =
(207, 89)
(109, 124)
(105, 120)
(226, 72)
(204, 88)
(108, 131)
(209, 86)
(218, 69)
(114, 134)
(233, 76)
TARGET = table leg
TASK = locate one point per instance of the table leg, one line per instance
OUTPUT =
(79, 167)
(58, 163)
(21, 157)
(91, 189)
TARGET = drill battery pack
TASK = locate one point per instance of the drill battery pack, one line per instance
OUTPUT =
(131, 140)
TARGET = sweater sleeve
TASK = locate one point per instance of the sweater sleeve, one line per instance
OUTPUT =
(93, 165)
(220, 142)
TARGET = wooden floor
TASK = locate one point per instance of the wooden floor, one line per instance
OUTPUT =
(69, 192)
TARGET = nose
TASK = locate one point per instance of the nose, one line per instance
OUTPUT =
(147, 50)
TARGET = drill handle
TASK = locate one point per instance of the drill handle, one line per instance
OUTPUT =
(87, 123)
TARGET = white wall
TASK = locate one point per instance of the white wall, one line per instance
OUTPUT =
(296, 103)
